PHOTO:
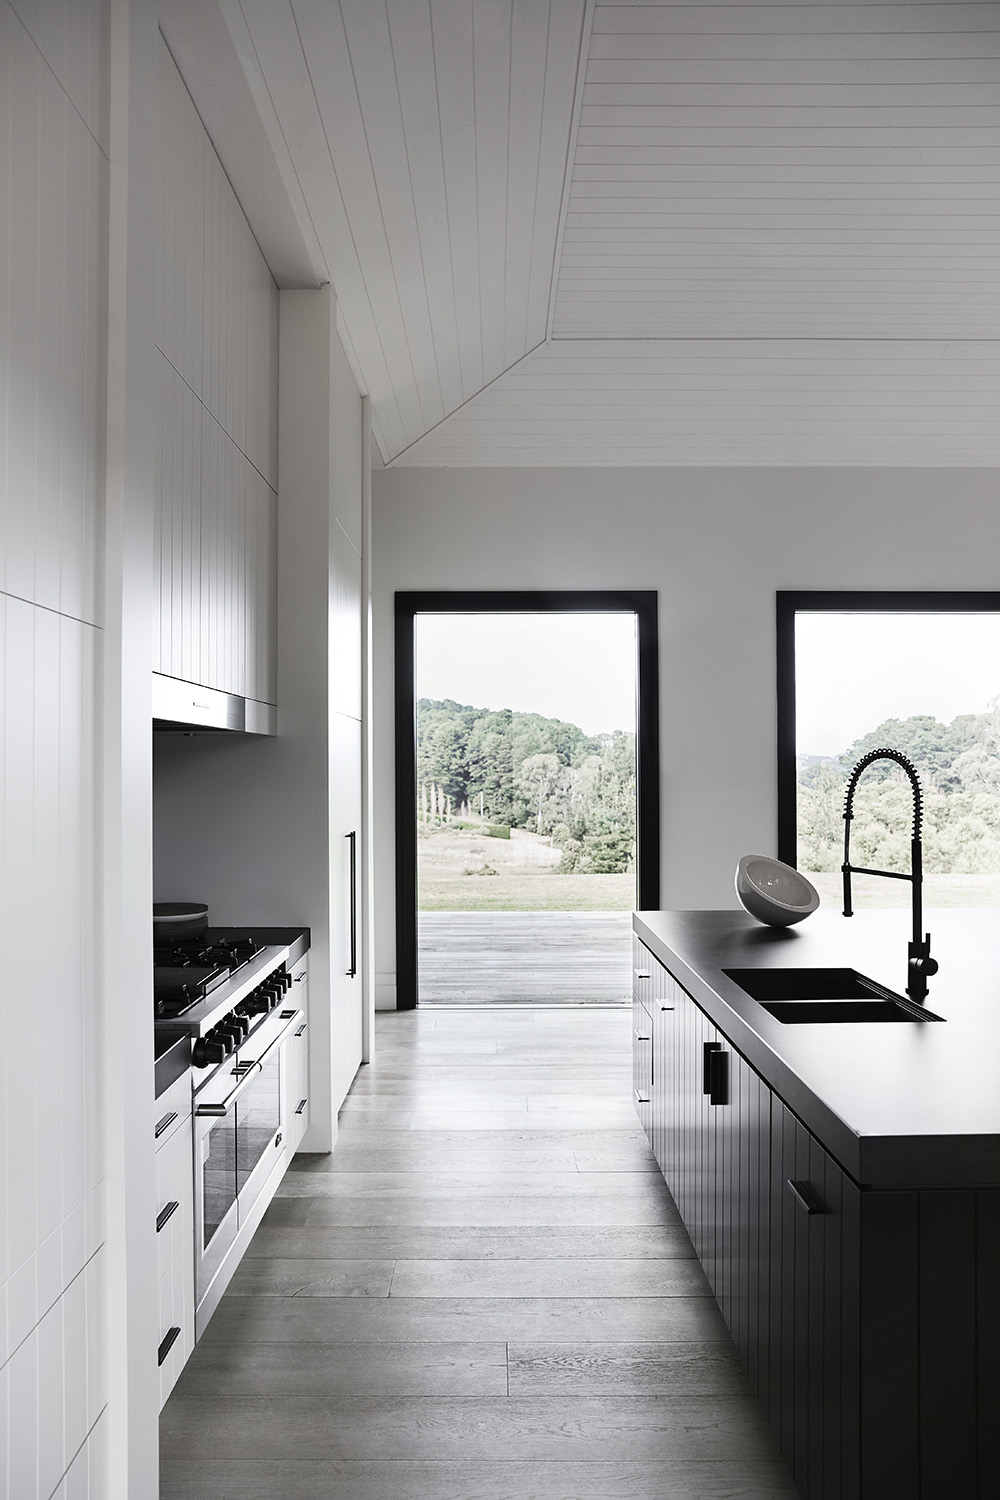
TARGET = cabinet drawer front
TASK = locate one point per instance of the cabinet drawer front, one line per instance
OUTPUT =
(171, 1109)
(176, 1307)
(174, 1186)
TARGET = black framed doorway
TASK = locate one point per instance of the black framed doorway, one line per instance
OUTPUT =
(641, 603)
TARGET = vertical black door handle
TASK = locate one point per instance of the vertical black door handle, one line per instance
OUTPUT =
(718, 1076)
(709, 1050)
(352, 840)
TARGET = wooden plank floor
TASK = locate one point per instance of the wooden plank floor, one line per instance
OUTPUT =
(525, 957)
(484, 1293)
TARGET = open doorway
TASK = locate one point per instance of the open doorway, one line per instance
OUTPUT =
(527, 794)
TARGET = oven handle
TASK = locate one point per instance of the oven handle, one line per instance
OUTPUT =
(223, 1106)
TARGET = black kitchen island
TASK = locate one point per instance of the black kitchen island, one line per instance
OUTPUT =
(841, 1185)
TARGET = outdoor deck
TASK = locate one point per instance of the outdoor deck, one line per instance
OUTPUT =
(525, 958)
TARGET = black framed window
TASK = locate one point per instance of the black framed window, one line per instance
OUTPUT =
(918, 671)
(408, 605)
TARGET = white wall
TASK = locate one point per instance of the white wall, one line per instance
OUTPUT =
(53, 305)
(716, 544)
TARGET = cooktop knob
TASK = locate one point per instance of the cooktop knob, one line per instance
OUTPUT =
(207, 1050)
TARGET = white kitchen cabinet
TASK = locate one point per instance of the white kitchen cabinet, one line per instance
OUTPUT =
(345, 902)
(345, 625)
(216, 493)
(297, 1061)
(174, 1230)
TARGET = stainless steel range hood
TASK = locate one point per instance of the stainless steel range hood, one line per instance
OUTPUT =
(184, 707)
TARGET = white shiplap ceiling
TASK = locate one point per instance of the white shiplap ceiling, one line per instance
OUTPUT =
(563, 232)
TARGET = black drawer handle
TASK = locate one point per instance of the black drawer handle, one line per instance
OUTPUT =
(706, 1064)
(164, 1124)
(168, 1343)
(640, 1097)
(666, 1007)
(641, 1036)
(166, 1214)
(301, 1106)
(301, 1030)
(718, 1077)
(806, 1198)
(641, 973)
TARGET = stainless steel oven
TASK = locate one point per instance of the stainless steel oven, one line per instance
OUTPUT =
(230, 990)
(240, 1123)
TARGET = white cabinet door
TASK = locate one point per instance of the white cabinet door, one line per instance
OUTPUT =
(216, 332)
(345, 626)
(345, 924)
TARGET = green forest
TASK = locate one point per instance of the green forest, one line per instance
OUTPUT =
(520, 770)
(959, 769)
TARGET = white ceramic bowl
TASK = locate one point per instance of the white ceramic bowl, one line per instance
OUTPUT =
(772, 892)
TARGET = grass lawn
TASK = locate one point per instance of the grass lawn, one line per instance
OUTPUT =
(528, 891)
(466, 870)
(939, 890)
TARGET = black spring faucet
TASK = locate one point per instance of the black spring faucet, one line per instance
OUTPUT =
(920, 965)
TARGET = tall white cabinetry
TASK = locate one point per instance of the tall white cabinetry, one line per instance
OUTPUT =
(216, 336)
(346, 946)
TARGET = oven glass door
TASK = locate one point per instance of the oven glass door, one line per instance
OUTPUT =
(219, 1184)
(258, 1119)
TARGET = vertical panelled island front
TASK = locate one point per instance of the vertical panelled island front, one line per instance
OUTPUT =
(841, 1185)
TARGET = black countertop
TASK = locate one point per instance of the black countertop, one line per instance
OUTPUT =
(897, 1105)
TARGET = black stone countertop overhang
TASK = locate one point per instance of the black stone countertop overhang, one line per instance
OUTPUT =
(897, 1105)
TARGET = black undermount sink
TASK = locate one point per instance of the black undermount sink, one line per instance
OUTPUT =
(825, 995)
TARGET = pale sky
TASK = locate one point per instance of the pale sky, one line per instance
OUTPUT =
(853, 670)
(575, 667)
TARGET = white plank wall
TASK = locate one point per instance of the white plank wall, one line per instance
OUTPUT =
(216, 327)
(53, 271)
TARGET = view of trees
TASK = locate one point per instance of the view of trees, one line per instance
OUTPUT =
(959, 769)
(520, 770)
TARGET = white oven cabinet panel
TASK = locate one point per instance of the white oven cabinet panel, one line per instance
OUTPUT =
(176, 1313)
(174, 1195)
(345, 625)
(345, 920)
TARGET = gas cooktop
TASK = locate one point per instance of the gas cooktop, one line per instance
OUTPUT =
(197, 979)
(185, 972)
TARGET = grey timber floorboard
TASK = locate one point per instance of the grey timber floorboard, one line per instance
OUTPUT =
(525, 958)
(473, 1300)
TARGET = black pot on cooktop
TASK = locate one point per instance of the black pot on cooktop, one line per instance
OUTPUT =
(178, 920)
